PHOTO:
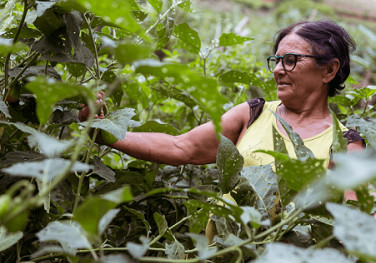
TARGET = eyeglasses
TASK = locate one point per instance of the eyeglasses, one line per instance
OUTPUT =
(288, 61)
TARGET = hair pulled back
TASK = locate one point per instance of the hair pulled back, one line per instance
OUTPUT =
(328, 41)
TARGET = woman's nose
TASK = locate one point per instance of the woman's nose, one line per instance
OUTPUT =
(279, 68)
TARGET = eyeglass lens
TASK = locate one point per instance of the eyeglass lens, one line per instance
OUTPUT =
(288, 62)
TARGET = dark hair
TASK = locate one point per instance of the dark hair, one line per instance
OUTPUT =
(328, 40)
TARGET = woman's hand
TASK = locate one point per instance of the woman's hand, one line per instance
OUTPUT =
(84, 113)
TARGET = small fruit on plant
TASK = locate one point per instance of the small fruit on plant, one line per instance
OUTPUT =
(108, 137)
(4, 204)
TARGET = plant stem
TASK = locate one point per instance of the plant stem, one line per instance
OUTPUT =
(15, 39)
(323, 242)
(94, 47)
(83, 174)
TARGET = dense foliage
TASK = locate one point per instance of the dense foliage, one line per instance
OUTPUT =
(65, 198)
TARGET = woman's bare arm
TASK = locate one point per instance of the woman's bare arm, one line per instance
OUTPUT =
(198, 146)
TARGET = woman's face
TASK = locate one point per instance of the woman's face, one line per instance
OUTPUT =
(305, 80)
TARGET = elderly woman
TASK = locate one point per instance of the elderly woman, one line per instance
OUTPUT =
(311, 62)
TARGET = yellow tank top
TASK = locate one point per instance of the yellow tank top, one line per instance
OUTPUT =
(259, 136)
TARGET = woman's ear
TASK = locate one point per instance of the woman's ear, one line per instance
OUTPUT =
(331, 70)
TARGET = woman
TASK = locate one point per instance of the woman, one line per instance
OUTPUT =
(311, 62)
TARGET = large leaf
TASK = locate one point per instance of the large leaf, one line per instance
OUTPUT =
(69, 234)
(229, 162)
(90, 213)
(278, 252)
(115, 123)
(302, 152)
(49, 146)
(263, 181)
(355, 229)
(8, 239)
(251, 215)
(128, 52)
(339, 142)
(367, 128)
(45, 170)
(49, 92)
(118, 13)
(188, 38)
(102, 170)
(230, 39)
(162, 225)
(235, 75)
(106, 220)
(153, 126)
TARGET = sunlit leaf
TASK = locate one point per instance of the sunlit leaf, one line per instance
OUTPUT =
(106, 220)
(120, 258)
(138, 250)
(45, 170)
(156, 4)
(120, 195)
(8, 239)
(175, 250)
(234, 75)
(230, 39)
(69, 234)
(251, 215)
(202, 242)
(115, 122)
(229, 163)
(188, 38)
(49, 146)
(279, 252)
(128, 52)
(355, 229)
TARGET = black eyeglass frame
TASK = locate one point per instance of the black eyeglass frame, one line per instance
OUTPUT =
(283, 63)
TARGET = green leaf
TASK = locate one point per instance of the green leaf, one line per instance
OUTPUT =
(141, 217)
(119, 258)
(186, 5)
(49, 91)
(251, 215)
(119, 196)
(106, 220)
(279, 252)
(69, 234)
(175, 250)
(302, 152)
(115, 122)
(203, 90)
(365, 199)
(102, 170)
(339, 142)
(164, 32)
(230, 39)
(48, 145)
(202, 243)
(153, 126)
(118, 13)
(188, 38)
(89, 213)
(8, 239)
(7, 46)
(263, 181)
(45, 170)
(138, 250)
(367, 127)
(229, 162)
(4, 109)
(127, 53)
(162, 225)
(234, 75)
(156, 4)
(365, 93)
(355, 229)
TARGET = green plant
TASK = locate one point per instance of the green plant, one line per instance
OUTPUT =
(64, 198)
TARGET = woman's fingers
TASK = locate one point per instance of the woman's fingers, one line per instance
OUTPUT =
(84, 113)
